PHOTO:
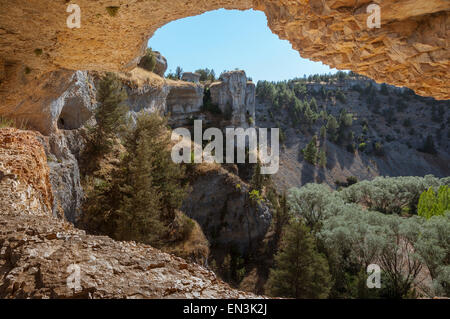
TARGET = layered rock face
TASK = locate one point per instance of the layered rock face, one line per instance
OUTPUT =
(60, 99)
(191, 77)
(24, 175)
(151, 93)
(235, 96)
(40, 255)
(184, 102)
(409, 49)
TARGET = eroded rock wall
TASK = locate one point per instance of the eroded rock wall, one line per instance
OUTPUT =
(184, 102)
(219, 201)
(235, 96)
(180, 100)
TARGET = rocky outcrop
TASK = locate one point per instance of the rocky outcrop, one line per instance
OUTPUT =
(235, 96)
(24, 175)
(149, 92)
(191, 77)
(409, 49)
(63, 149)
(60, 99)
(184, 102)
(219, 201)
(46, 257)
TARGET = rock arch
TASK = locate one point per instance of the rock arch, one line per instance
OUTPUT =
(410, 49)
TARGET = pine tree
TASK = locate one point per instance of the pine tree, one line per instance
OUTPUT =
(310, 151)
(300, 271)
(110, 116)
(145, 190)
(323, 133)
(323, 158)
(151, 131)
(139, 214)
(110, 113)
(332, 127)
(178, 72)
(258, 180)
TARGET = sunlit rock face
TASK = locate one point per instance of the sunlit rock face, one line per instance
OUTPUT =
(235, 97)
(191, 77)
(184, 102)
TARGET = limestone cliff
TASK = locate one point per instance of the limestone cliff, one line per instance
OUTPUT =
(235, 96)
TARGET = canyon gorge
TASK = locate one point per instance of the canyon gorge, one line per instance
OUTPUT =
(49, 78)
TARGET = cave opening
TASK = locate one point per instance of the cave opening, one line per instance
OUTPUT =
(74, 115)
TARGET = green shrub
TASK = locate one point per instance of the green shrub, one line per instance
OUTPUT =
(38, 52)
(148, 61)
(362, 146)
(110, 116)
(112, 10)
(255, 196)
(432, 204)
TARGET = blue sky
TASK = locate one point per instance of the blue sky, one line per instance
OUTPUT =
(229, 39)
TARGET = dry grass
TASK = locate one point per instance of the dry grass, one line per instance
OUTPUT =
(21, 124)
(193, 245)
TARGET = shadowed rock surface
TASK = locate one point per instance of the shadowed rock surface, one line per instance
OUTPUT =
(220, 203)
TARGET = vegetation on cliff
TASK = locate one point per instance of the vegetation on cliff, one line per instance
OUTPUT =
(135, 190)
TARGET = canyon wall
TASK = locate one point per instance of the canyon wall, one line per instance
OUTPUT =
(218, 200)
(63, 118)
